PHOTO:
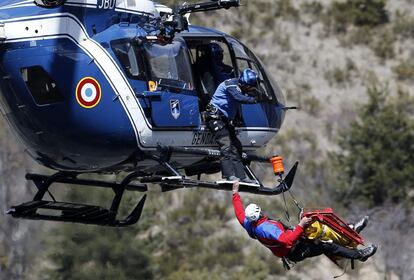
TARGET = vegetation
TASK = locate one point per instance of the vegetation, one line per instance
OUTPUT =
(284, 8)
(302, 97)
(377, 153)
(404, 70)
(404, 25)
(338, 76)
(341, 15)
(315, 8)
(359, 36)
(200, 224)
(383, 44)
(341, 76)
(87, 252)
(82, 252)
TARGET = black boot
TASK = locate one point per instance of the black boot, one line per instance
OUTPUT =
(361, 224)
(367, 252)
(227, 169)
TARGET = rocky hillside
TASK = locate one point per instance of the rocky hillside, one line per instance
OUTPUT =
(326, 55)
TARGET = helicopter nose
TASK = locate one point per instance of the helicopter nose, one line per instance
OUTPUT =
(275, 114)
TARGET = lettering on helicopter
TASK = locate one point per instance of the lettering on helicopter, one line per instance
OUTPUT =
(203, 138)
(175, 108)
(106, 4)
(88, 92)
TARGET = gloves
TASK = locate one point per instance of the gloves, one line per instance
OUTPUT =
(259, 98)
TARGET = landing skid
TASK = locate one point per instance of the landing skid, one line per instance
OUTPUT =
(40, 209)
(97, 215)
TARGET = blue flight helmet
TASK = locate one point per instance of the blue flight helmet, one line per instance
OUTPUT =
(248, 79)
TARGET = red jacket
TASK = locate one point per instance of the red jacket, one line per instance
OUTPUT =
(268, 232)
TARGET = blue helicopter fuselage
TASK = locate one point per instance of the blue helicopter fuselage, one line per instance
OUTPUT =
(81, 85)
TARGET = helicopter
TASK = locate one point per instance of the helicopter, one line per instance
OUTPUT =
(117, 86)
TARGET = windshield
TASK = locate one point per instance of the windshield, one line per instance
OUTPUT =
(170, 62)
(128, 55)
(246, 59)
(267, 79)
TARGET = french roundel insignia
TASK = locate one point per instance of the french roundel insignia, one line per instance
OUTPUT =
(88, 92)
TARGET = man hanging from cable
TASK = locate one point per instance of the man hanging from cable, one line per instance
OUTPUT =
(291, 244)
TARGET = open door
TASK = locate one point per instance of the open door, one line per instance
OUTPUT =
(212, 64)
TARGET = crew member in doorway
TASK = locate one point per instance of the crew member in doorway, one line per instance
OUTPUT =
(220, 70)
(290, 243)
(222, 110)
(211, 68)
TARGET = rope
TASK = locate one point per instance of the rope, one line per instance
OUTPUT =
(286, 208)
(295, 202)
(343, 273)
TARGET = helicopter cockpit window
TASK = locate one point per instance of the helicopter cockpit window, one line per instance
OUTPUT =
(270, 81)
(41, 85)
(170, 62)
(270, 92)
(128, 55)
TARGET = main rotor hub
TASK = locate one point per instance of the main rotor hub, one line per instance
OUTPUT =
(179, 21)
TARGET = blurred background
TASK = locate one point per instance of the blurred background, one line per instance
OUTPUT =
(349, 66)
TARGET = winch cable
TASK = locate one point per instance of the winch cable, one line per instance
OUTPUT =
(278, 170)
(287, 215)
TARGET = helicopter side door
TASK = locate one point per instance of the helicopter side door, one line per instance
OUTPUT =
(172, 99)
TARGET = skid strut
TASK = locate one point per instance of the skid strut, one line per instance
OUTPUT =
(177, 181)
(172, 183)
(79, 213)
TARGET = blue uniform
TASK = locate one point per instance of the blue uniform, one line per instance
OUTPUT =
(227, 98)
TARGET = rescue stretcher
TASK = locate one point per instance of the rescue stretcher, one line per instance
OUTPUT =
(329, 227)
